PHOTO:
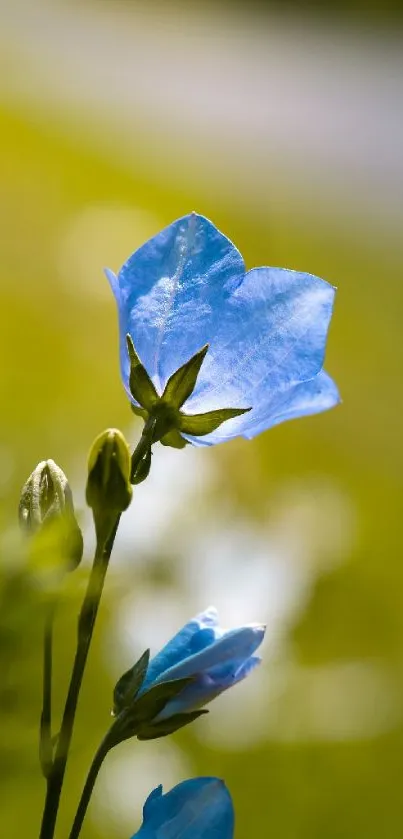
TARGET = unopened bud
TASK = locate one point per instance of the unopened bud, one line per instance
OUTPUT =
(46, 511)
(109, 465)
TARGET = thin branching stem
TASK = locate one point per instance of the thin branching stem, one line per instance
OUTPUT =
(86, 623)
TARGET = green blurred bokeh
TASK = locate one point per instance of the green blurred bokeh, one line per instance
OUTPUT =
(326, 754)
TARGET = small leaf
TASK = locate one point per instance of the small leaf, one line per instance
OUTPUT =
(174, 439)
(168, 726)
(201, 424)
(128, 686)
(141, 386)
(182, 383)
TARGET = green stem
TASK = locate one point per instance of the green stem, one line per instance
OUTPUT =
(88, 788)
(86, 623)
(45, 737)
(145, 443)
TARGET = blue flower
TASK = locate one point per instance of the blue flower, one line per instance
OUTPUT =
(216, 659)
(200, 808)
(266, 329)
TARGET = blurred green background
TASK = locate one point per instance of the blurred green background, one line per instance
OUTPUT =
(285, 130)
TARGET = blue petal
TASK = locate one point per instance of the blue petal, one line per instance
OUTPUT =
(200, 808)
(307, 398)
(193, 637)
(208, 685)
(272, 336)
(171, 294)
(236, 644)
(114, 284)
(312, 397)
(149, 804)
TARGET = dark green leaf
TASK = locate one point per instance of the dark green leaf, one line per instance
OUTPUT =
(182, 383)
(128, 686)
(141, 386)
(201, 424)
(169, 726)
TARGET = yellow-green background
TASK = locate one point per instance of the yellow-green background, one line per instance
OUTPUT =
(60, 386)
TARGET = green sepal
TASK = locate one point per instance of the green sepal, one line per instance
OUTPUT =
(166, 419)
(182, 383)
(168, 726)
(143, 710)
(153, 701)
(169, 419)
(128, 686)
(140, 412)
(200, 424)
(57, 546)
(174, 439)
(72, 539)
(141, 386)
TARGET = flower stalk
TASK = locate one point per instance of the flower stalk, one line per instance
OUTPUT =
(45, 735)
(55, 772)
(86, 625)
(96, 764)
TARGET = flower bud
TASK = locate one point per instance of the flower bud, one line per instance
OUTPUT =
(199, 808)
(46, 512)
(109, 465)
